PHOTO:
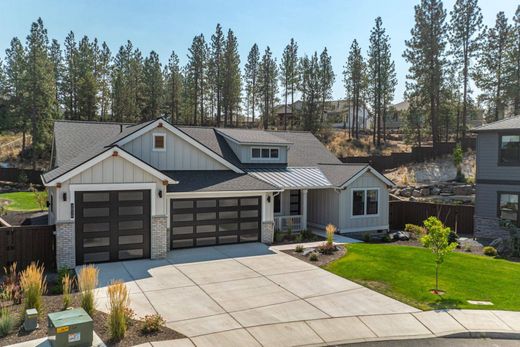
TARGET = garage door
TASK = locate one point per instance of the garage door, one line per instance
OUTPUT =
(112, 225)
(205, 222)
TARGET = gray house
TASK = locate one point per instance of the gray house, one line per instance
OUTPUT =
(120, 191)
(498, 177)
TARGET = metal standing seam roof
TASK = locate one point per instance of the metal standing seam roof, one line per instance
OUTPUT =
(292, 177)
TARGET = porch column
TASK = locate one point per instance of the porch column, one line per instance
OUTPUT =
(304, 209)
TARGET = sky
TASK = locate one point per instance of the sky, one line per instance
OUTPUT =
(166, 25)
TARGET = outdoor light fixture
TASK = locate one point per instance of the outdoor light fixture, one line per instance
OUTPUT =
(160, 193)
(64, 196)
(269, 198)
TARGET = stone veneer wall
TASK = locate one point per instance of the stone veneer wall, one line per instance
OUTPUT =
(267, 231)
(489, 229)
(159, 237)
(65, 245)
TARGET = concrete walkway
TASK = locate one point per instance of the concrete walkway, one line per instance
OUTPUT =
(253, 295)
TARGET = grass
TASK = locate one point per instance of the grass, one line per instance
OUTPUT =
(408, 273)
(20, 201)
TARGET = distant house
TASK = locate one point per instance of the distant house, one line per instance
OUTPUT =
(395, 117)
(337, 113)
(498, 177)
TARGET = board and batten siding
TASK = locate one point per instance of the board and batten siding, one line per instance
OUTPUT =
(487, 159)
(179, 154)
(323, 207)
(363, 223)
(109, 171)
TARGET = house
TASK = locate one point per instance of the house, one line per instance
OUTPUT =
(120, 191)
(497, 177)
(337, 113)
(395, 118)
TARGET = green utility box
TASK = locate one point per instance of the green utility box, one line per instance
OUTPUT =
(71, 328)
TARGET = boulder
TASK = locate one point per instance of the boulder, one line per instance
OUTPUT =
(400, 236)
(447, 190)
(425, 191)
(436, 191)
(466, 189)
(416, 193)
(503, 246)
(406, 192)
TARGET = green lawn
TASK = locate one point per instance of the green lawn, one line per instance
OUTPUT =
(408, 273)
(20, 201)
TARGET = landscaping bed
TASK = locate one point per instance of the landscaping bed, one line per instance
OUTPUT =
(408, 274)
(323, 259)
(287, 238)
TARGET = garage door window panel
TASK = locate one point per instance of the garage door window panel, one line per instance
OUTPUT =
(131, 210)
(96, 197)
(124, 254)
(96, 227)
(130, 196)
(96, 242)
(131, 225)
(96, 257)
(96, 212)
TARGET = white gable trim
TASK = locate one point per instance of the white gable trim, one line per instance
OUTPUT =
(371, 170)
(107, 154)
(181, 135)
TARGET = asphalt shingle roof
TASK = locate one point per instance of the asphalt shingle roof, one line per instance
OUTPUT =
(249, 136)
(215, 181)
(338, 174)
(511, 123)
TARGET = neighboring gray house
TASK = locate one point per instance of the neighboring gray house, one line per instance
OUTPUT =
(120, 191)
(498, 177)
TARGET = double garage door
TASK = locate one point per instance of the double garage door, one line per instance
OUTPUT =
(205, 222)
(112, 225)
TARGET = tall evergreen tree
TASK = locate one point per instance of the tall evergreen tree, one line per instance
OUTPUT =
(288, 76)
(513, 64)
(354, 81)
(425, 54)
(251, 76)
(327, 78)
(57, 67)
(232, 82)
(104, 81)
(121, 90)
(136, 77)
(173, 88)
(87, 90)
(153, 87)
(267, 85)
(197, 69)
(490, 76)
(41, 95)
(389, 81)
(310, 88)
(465, 27)
(69, 87)
(217, 67)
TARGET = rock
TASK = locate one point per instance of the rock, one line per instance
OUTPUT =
(466, 189)
(447, 190)
(308, 251)
(400, 236)
(436, 191)
(502, 246)
(406, 192)
(416, 193)
(425, 191)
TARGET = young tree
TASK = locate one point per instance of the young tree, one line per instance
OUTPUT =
(267, 85)
(465, 27)
(288, 73)
(251, 75)
(425, 54)
(354, 81)
(490, 76)
(173, 81)
(437, 240)
(327, 78)
(232, 83)
(153, 87)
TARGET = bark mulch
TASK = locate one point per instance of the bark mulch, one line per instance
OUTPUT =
(53, 303)
(323, 259)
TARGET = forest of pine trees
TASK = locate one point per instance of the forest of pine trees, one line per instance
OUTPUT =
(42, 79)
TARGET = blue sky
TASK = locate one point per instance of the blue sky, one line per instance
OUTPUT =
(166, 25)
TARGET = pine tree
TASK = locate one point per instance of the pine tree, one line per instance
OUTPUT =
(232, 82)
(197, 70)
(251, 75)
(310, 88)
(465, 27)
(513, 63)
(136, 77)
(425, 54)
(87, 90)
(490, 76)
(267, 85)
(389, 81)
(327, 78)
(121, 90)
(153, 87)
(288, 75)
(70, 78)
(354, 81)
(104, 81)
(173, 88)
(217, 75)
(41, 95)
(57, 66)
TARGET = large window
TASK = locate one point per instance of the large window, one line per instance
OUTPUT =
(365, 202)
(510, 149)
(508, 207)
(259, 153)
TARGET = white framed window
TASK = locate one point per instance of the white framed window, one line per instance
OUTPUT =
(159, 142)
(365, 202)
(265, 153)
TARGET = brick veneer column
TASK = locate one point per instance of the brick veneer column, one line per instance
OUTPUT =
(159, 237)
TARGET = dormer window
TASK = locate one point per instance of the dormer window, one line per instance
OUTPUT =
(159, 142)
(259, 153)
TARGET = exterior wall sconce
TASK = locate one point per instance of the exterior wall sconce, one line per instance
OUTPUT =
(64, 196)
(269, 198)
(160, 193)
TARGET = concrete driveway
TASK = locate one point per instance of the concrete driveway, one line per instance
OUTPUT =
(249, 295)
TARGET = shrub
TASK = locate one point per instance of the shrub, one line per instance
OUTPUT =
(327, 248)
(87, 283)
(118, 301)
(58, 288)
(306, 235)
(313, 256)
(298, 249)
(366, 237)
(331, 230)
(6, 322)
(453, 237)
(490, 251)
(458, 157)
(152, 323)
(415, 231)
(278, 236)
(33, 286)
(386, 238)
(66, 284)
(10, 288)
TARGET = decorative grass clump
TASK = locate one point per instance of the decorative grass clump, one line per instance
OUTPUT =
(118, 306)
(6, 322)
(331, 230)
(87, 283)
(33, 284)
(66, 285)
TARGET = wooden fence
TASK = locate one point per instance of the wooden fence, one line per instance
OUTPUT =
(457, 217)
(12, 174)
(24, 244)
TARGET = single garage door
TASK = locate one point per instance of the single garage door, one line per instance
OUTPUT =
(205, 222)
(112, 225)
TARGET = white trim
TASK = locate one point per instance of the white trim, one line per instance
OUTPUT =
(254, 143)
(73, 188)
(262, 158)
(352, 230)
(184, 195)
(154, 135)
(373, 171)
(107, 154)
(181, 135)
(365, 215)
